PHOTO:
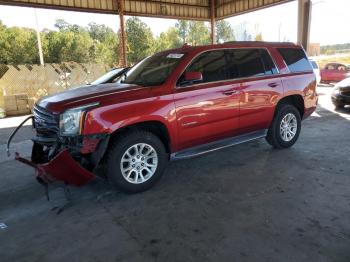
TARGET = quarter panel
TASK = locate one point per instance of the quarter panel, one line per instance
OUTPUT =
(303, 84)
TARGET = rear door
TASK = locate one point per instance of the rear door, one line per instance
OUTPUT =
(260, 87)
(329, 72)
(207, 110)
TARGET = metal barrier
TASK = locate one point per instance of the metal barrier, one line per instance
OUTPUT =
(31, 82)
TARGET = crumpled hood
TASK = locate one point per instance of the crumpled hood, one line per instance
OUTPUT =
(83, 95)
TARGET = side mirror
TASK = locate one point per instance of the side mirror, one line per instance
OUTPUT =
(193, 76)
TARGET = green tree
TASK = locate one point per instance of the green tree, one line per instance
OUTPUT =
(106, 52)
(193, 32)
(105, 44)
(63, 46)
(99, 32)
(168, 40)
(17, 45)
(182, 27)
(2, 26)
(62, 25)
(140, 41)
(224, 32)
(199, 33)
(259, 37)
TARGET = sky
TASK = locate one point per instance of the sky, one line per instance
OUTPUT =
(329, 25)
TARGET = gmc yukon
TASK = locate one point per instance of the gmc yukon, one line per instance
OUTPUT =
(175, 104)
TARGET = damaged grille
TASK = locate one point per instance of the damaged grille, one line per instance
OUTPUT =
(46, 123)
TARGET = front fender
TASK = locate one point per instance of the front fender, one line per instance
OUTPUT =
(109, 119)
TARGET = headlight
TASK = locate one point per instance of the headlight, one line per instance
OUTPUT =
(71, 120)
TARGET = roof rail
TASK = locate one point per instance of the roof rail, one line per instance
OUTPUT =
(259, 42)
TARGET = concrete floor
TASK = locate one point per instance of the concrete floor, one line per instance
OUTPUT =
(245, 203)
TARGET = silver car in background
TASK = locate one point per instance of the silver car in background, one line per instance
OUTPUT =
(316, 69)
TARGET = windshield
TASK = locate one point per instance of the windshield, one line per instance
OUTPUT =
(106, 77)
(154, 70)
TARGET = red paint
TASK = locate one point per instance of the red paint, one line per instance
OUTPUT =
(192, 76)
(89, 145)
(192, 115)
(61, 168)
(334, 72)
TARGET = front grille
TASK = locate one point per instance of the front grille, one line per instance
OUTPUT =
(46, 123)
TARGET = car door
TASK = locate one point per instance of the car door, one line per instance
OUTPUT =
(260, 87)
(207, 110)
(332, 72)
(340, 73)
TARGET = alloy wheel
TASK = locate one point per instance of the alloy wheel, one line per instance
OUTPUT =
(139, 163)
(288, 127)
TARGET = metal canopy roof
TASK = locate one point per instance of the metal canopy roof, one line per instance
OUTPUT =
(178, 9)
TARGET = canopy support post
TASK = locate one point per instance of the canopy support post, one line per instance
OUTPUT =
(213, 21)
(122, 36)
(304, 22)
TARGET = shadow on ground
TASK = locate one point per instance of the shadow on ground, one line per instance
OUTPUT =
(245, 203)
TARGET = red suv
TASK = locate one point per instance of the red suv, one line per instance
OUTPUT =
(175, 104)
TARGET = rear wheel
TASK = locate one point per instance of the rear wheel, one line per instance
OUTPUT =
(285, 128)
(136, 161)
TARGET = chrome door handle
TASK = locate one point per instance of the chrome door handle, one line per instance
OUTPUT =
(230, 92)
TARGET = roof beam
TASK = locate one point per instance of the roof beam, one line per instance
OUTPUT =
(230, 8)
(176, 9)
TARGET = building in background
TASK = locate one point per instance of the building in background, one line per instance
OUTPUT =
(314, 49)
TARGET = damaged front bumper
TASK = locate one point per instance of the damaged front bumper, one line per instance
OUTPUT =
(61, 168)
(72, 164)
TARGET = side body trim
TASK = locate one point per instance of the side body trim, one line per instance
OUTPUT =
(216, 145)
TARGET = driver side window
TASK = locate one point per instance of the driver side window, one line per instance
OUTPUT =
(212, 65)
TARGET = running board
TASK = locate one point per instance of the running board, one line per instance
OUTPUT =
(216, 145)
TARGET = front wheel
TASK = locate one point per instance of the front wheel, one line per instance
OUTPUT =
(285, 128)
(136, 161)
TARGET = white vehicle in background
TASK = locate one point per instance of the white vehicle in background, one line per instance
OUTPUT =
(316, 69)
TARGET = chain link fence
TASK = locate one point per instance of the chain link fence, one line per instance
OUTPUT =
(22, 85)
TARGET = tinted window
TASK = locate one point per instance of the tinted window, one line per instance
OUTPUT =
(212, 65)
(342, 68)
(270, 67)
(295, 59)
(153, 70)
(250, 62)
(330, 67)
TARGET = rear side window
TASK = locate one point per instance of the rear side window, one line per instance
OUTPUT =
(295, 59)
(270, 67)
(212, 65)
(250, 63)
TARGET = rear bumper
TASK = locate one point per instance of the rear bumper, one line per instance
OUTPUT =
(60, 168)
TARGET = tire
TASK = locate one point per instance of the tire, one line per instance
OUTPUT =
(275, 136)
(338, 105)
(139, 178)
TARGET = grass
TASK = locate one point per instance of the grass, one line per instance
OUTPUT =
(342, 59)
